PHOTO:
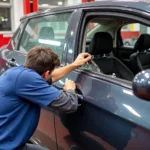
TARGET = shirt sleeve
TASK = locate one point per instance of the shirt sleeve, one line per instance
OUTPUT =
(32, 87)
(67, 102)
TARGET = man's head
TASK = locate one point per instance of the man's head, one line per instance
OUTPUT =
(42, 59)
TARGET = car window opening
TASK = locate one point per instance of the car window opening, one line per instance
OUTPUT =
(123, 60)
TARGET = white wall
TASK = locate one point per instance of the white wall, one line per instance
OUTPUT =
(18, 12)
(136, 27)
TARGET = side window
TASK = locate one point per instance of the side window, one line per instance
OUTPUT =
(49, 31)
(100, 43)
(131, 32)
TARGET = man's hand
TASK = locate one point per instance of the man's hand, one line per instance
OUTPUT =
(82, 59)
(69, 85)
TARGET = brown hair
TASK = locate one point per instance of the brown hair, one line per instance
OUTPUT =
(41, 59)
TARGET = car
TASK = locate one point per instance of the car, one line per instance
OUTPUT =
(130, 42)
(113, 87)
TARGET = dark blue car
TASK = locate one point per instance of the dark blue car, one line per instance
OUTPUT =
(114, 87)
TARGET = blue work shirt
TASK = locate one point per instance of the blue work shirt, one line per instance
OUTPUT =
(22, 93)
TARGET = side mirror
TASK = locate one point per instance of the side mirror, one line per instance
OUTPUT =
(141, 85)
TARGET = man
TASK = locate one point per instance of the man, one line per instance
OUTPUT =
(25, 89)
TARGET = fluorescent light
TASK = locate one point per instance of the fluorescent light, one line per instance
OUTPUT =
(50, 42)
(70, 51)
(45, 5)
(60, 3)
(4, 0)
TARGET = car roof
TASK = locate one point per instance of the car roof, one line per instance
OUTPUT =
(143, 5)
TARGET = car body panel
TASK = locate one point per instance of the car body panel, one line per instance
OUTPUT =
(110, 112)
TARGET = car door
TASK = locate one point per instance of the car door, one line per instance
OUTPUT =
(111, 117)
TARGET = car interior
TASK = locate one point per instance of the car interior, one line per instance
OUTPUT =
(109, 52)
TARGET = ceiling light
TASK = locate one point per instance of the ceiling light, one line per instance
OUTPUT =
(4, 0)
(50, 42)
(60, 3)
(45, 5)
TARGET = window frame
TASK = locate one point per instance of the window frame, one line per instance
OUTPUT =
(105, 13)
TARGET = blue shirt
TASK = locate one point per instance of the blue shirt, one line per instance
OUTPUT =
(22, 93)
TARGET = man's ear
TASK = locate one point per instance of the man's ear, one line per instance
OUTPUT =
(45, 74)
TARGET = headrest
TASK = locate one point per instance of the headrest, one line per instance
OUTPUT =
(143, 43)
(102, 43)
(46, 33)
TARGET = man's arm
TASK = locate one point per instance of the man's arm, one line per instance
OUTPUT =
(67, 102)
(60, 73)
(31, 87)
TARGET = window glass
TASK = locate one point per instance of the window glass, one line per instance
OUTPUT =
(131, 32)
(16, 37)
(47, 31)
(5, 19)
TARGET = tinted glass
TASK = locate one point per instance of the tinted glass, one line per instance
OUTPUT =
(15, 39)
(48, 31)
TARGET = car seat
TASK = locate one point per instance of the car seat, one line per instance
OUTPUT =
(100, 47)
(141, 59)
(46, 33)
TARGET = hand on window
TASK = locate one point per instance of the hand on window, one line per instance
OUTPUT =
(82, 59)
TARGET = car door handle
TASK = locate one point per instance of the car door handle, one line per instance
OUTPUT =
(12, 63)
